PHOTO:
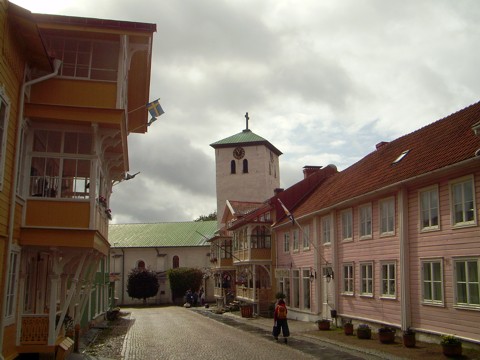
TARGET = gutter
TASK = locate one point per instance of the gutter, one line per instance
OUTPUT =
(11, 223)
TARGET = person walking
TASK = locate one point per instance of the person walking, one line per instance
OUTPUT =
(280, 321)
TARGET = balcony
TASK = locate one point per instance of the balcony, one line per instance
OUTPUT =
(252, 254)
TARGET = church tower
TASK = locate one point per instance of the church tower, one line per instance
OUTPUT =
(247, 169)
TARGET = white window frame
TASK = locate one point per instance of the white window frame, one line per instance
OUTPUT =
(365, 221)
(306, 293)
(348, 279)
(387, 216)
(347, 225)
(462, 202)
(326, 230)
(366, 279)
(428, 213)
(286, 242)
(296, 235)
(5, 108)
(11, 288)
(432, 282)
(306, 237)
(388, 271)
(296, 289)
(469, 284)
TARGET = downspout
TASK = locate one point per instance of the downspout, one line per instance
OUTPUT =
(404, 258)
(11, 223)
(123, 274)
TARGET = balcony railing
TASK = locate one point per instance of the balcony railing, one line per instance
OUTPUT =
(34, 330)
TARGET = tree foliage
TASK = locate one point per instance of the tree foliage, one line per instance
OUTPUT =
(211, 216)
(142, 284)
(182, 279)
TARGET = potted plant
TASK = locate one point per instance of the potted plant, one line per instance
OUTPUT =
(323, 324)
(364, 331)
(451, 346)
(409, 339)
(386, 335)
(348, 328)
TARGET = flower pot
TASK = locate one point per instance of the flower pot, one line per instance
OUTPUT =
(364, 333)
(324, 325)
(246, 311)
(386, 337)
(409, 340)
(454, 350)
(348, 329)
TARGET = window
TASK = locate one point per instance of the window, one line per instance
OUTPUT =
(366, 270)
(365, 221)
(306, 288)
(387, 216)
(11, 289)
(175, 262)
(233, 167)
(226, 249)
(432, 280)
(60, 164)
(284, 287)
(87, 59)
(295, 240)
(388, 279)
(347, 225)
(141, 265)
(326, 230)
(306, 237)
(245, 166)
(463, 203)
(4, 111)
(260, 238)
(296, 288)
(467, 275)
(348, 279)
(286, 242)
(429, 209)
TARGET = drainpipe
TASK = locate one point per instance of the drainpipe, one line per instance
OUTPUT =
(56, 65)
(404, 258)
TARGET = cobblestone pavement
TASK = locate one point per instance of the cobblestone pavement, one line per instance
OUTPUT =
(176, 333)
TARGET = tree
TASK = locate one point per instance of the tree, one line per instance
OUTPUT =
(182, 279)
(142, 284)
(211, 216)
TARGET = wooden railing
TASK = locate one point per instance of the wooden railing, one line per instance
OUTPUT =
(34, 330)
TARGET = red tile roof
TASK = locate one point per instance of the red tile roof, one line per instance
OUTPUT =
(445, 142)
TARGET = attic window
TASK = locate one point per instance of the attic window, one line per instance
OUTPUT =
(400, 158)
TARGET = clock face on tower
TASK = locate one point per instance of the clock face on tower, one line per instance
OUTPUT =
(238, 153)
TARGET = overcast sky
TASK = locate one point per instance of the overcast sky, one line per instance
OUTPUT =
(323, 81)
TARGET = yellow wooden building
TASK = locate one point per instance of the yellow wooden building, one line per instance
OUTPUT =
(71, 90)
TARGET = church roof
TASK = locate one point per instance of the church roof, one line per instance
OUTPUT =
(171, 234)
(245, 138)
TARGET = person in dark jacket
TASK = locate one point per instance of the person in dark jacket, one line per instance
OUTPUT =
(280, 321)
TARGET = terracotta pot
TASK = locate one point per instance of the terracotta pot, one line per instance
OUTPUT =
(386, 337)
(324, 325)
(364, 333)
(348, 329)
(452, 350)
(246, 311)
(409, 340)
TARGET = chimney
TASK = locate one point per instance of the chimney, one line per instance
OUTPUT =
(380, 144)
(309, 170)
(277, 191)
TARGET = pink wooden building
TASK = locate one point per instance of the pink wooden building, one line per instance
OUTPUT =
(394, 239)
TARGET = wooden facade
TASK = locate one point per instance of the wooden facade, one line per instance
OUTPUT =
(73, 88)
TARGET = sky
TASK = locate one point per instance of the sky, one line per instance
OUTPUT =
(324, 81)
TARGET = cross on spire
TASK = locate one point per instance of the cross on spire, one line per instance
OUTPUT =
(246, 120)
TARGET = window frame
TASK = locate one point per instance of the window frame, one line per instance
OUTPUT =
(306, 237)
(11, 287)
(296, 240)
(387, 279)
(362, 222)
(346, 217)
(468, 284)
(295, 303)
(429, 190)
(286, 242)
(432, 281)
(4, 123)
(367, 279)
(348, 279)
(461, 181)
(326, 223)
(386, 217)
(306, 292)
